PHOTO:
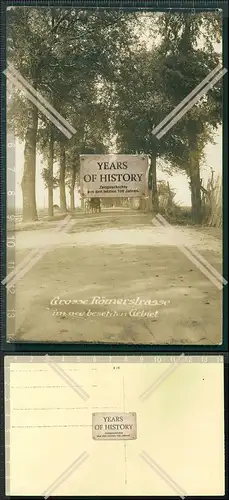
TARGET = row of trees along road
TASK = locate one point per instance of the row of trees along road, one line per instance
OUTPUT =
(98, 73)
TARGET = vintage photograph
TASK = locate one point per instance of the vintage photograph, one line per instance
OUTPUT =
(114, 176)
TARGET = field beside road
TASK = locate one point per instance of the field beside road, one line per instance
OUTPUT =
(116, 278)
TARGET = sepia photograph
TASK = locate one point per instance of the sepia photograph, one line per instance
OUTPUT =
(114, 176)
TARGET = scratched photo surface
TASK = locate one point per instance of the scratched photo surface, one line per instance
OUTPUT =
(114, 175)
(159, 432)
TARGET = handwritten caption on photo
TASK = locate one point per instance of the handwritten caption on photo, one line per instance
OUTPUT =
(103, 301)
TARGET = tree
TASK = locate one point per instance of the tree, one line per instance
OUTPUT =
(92, 135)
(70, 47)
(189, 54)
(26, 25)
(139, 105)
(153, 81)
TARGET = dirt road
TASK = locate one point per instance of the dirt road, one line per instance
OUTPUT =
(116, 278)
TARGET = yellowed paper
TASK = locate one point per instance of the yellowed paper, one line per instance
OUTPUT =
(179, 409)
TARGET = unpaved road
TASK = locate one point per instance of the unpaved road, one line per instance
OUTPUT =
(116, 278)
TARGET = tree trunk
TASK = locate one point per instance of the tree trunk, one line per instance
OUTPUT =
(63, 204)
(28, 183)
(72, 189)
(195, 183)
(216, 212)
(50, 173)
(72, 200)
(153, 170)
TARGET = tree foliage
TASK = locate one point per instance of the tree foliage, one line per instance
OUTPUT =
(96, 69)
